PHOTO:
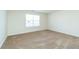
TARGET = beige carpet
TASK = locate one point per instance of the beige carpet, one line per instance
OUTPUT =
(41, 40)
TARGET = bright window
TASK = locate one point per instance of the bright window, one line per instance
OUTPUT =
(32, 20)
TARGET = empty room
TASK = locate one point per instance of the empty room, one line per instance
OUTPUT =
(39, 29)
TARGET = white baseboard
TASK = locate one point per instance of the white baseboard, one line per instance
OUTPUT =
(3, 41)
(65, 33)
(25, 32)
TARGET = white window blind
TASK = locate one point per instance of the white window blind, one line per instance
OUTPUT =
(32, 20)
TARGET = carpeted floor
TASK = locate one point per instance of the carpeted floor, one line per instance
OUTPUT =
(41, 40)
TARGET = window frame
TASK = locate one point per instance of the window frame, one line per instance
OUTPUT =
(33, 21)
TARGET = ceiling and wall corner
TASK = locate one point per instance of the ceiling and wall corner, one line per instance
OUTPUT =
(45, 11)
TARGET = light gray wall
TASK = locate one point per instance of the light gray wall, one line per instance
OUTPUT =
(3, 26)
(65, 21)
(16, 22)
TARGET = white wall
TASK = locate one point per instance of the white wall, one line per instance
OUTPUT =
(16, 22)
(3, 26)
(65, 21)
(61, 21)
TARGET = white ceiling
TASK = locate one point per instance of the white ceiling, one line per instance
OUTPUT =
(45, 11)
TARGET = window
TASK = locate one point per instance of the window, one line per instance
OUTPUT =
(32, 20)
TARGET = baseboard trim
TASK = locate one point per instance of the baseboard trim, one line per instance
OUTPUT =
(65, 33)
(3, 41)
(27, 32)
